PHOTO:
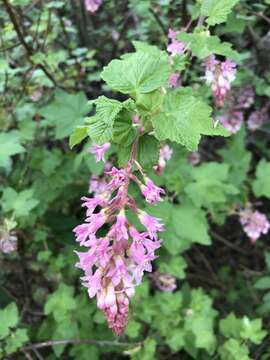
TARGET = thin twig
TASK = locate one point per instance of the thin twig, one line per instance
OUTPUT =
(77, 341)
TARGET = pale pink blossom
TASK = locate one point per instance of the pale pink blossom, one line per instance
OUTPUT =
(254, 224)
(99, 151)
(164, 281)
(174, 80)
(151, 192)
(92, 5)
(232, 120)
(8, 242)
(194, 158)
(165, 154)
(176, 48)
(152, 224)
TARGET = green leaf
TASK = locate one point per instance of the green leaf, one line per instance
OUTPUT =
(202, 45)
(210, 184)
(191, 224)
(123, 130)
(60, 302)
(16, 340)
(176, 267)
(252, 330)
(19, 202)
(66, 112)
(233, 350)
(231, 326)
(261, 186)
(148, 151)
(100, 126)
(139, 72)
(78, 135)
(217, 10)
(263, 283)
(183, 119)
(8, 319)
(9, 145)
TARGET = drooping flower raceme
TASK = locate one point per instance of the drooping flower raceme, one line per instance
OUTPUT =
(219, 75)
(254, 223)
(118, 254)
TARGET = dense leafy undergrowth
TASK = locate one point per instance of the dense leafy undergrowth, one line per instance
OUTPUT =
(182, 70)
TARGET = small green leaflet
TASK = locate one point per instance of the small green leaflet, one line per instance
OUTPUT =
(183, 119)
(261, 186)
(202, 45)
(139, 72)
(9, 145)
(100, 126)
(66, 112)
(77, 136)
(8, 319)
(21, 203)
(148, 151)
(217, 10)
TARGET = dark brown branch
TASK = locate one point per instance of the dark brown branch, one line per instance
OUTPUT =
(29, 50)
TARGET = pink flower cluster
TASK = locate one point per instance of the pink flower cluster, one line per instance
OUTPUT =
(165, 153)
(118, 254)
(232, 120)
(164, 281)
(92, 5)
(254, 224)
(258, 117)
(220, 76)
(8, 242)
(175, 47)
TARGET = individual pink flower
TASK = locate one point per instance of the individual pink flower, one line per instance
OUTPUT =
(174, 80)
(151, 192)
(37, 95)
(92, 5)
(165, 154)
(176, 48)
(164, 282)
(119, 177)
(99, 151)
(232, 120)
(254, 224)
(97, 185)
(151, 223)
(194, 158)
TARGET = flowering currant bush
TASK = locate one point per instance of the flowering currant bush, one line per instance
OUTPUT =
(165, 106)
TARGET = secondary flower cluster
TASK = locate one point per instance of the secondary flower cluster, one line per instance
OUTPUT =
(8, 241)
(254, 224)
(175, 47)
(92, 5)
(118, 254)
(219, 75)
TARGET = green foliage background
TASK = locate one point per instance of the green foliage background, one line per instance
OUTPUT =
(221, 305)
